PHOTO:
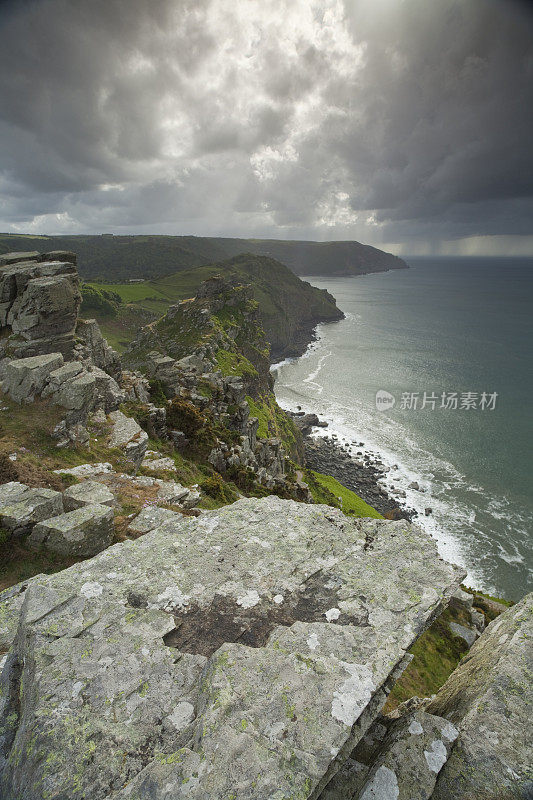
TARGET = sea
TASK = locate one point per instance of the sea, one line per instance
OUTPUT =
(431, 371)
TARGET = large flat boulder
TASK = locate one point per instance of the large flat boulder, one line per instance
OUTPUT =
(13, 258)
(81, 533)
(239, 654)
(489, 697)
(86, 494)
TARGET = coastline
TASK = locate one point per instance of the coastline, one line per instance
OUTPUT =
(361, 473)
(376, 474)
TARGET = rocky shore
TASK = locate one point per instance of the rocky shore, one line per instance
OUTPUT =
(361, 474)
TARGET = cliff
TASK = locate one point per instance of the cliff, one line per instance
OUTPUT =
(288, 308)
(335, 259)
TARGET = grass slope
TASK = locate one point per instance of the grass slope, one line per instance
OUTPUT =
(326, 489)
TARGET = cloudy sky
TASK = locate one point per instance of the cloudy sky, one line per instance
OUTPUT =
(401, 123)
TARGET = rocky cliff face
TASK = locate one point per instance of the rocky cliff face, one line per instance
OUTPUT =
(39, 302)
(211, 352)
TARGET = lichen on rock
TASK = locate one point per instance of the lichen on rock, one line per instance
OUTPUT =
(104, 683)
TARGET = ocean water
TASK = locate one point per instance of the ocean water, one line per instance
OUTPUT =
(443, 326)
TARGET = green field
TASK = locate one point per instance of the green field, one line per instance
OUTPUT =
(163, 291)
(131, 292)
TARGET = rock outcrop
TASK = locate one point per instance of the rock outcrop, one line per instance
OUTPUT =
(200, 337)
(80, 533)
(244, 654)
(80, 389)
(489, 698)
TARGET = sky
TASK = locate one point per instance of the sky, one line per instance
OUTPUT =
(406, 124)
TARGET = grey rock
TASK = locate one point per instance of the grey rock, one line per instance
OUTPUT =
(78, 393)
(489, 699)
(149, 519)
(12, 491)
(462, 600)
(191, 499)
(469, 635)
(95, 347)
(83, 471)
(12, 258)
(10, 604)
(197, 661)
(81, 533)
(136, 386)
(39, 300)
(108, 394)
(477, 619)
(192, 362)
(171, 492)
(60, 255)
(24, 378)
(129, 436)
(411, 757)
(87, 493)
(21, 512)
(306, 422)
(154, 462)
(78, 433)
(49, 306)
(65, 373)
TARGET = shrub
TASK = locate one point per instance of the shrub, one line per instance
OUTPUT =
(184, 416)
(218, 490)
(99, 301)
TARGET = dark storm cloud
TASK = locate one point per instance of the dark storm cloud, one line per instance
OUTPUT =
(378, 119)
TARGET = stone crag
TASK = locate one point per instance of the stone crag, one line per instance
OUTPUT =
(39, 303)
(211, 352)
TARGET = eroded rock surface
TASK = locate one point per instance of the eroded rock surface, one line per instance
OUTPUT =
(239, 654)
(489, 697)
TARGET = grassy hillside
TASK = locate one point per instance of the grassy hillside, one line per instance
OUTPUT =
(289, 307)
(117, 258)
